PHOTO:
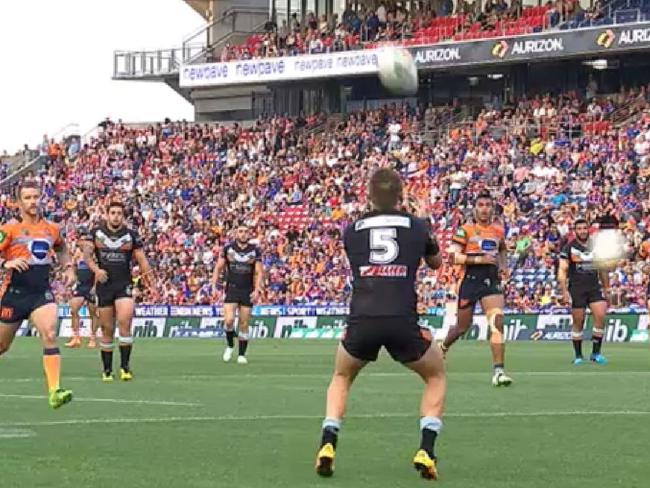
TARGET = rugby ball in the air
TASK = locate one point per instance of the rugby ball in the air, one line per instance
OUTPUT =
(608, 248)
(397, 71)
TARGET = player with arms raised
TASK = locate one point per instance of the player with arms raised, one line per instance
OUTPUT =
(109, 251)
(26, 256)
(244, 277)
(385, 248)
(582, 286)
(481, 249)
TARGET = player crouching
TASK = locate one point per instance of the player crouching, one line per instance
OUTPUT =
(385, 248)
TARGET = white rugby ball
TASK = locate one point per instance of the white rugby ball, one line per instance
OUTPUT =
(608, 248)
(397, 71)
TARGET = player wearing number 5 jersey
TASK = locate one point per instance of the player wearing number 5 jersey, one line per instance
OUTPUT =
(27, 251)
(480, 248)
(385, 248)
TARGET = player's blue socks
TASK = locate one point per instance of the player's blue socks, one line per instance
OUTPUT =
(430, 427)
(331, 429)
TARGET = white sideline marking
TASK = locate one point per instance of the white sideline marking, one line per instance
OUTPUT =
(108, 400)
(16, 433)
(218, 374)
(245, 418)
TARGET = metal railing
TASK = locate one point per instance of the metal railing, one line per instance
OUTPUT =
(235, 20)
(143, 64)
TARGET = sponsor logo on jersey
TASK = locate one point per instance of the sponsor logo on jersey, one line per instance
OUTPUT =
(489, 245)
(40, 249)
(384, 271)
(3, 236)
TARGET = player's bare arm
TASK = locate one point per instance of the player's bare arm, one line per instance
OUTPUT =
(502, 261)
(259, 280)
(458, 257)
(146, 270)
(562, 280)
(65, 261)
(20, 264)
(604, 280)
(88, 250)
(218, 270)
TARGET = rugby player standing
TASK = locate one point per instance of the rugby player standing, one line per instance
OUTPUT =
(385, 248)
(26, 256)
(244, 277)
(582, 286)
(481, 249)
(109, 251)
(83, 293)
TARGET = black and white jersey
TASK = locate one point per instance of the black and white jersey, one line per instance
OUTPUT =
(385, 250)
(240, 265)
(582, 272)
(114, 251)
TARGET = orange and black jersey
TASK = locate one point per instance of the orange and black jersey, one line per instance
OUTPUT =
(35, 243)
(114, 251)
(480, 240)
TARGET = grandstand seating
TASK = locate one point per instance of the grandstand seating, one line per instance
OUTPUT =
(299, 187)
(420, 30)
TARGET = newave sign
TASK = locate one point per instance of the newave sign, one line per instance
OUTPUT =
(349, 63)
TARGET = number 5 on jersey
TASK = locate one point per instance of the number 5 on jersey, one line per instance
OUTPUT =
(384, 248)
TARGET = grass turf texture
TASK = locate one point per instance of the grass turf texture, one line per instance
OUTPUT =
(258, 425)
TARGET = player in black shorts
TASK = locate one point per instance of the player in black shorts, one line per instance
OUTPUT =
(83, 293)
(582, 286)
(480, 248)
(244, 277)
(109, 251)
(385, 248)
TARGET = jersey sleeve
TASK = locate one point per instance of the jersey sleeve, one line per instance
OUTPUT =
(137, 240)
(258, 253)
(58, 233)
(565, 252)
(347, 236)
(461, 236)
(224, 251)
(5, 237)
(431, 247)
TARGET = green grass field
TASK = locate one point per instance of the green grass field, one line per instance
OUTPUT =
(188, 420)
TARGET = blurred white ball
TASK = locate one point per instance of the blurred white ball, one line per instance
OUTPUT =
(397, 71)
(608, 248)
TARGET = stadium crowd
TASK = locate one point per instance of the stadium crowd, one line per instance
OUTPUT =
(373, 24)
(392, 22)
(547, 160)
